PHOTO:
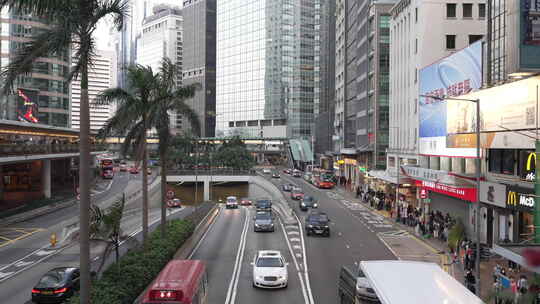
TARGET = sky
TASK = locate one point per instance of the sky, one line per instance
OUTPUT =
(102, 34)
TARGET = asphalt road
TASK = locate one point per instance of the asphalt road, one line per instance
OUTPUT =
(16, 288)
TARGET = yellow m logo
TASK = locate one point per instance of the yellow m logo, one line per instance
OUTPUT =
(531, 156)
(512, 200)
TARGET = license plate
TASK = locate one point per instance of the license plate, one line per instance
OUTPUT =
(47, 292)
(318, 231)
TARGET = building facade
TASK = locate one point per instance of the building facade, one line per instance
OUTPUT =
(43, 95)
(101, 76)
(162, 37)
(199, 60)
(268, 67)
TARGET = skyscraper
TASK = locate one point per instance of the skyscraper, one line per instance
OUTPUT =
(101, 76)
(268, 67)
(43, 95)
(199, 60)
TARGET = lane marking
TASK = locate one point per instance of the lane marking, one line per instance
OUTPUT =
(204, 235)
(294, 239)
(306, 271)
(231, 292)
(299, 269)
(293, 232)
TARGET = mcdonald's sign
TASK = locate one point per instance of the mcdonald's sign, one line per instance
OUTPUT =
(528, 165)
(516, 200)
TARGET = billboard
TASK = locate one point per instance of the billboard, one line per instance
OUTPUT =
(455, 75)
(529, 45)
(510, 106)
(27, 105)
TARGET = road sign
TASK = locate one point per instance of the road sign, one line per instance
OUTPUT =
(170, 194)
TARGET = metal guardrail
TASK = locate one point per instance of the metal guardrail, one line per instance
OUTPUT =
(32, 149)
(228, 172)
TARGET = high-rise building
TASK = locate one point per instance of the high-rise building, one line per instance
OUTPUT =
(101, 76)
(41, 96)
(268, 67)
(199, 60)
(161, 38)
(340, 108)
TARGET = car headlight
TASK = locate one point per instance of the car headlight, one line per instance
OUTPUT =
(310, 226)
(260, 277)
(326, 226)
(315, 205)
(257, 225)
(271, 224)
(302, 204)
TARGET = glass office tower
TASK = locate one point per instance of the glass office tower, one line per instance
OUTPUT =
(267, 67)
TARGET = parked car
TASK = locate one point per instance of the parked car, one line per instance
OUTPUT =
(297, 194)
(317, 223)
(56, 285)
(263, 205)
(245, 202)
(263, 221)
(287, 171)
(297, 173)
(308, 202)
(231, 202)
(174, 203)
(275, 174)
(134, 170)
(269, 269)
(123, 167)
(287, 187)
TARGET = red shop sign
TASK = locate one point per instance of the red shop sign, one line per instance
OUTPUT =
(467, 194)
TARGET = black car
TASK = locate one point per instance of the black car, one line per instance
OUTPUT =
(275, 174)
(263, 221)
(317, 223)
(287, 187)
(308, 202)
(263, 205)
(57, 285)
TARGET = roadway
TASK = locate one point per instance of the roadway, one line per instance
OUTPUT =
(314, 262)
(25, 261)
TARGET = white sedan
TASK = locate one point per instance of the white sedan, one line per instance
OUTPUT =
(269, 270)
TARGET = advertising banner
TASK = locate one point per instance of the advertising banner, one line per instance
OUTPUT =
(507, 107)
(27, 105)
(455, 75)
(529, 46)
(492, 140)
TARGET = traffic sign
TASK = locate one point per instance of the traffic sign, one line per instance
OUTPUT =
(170, 194)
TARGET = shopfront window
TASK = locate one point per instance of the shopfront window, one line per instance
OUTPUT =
(502, 161)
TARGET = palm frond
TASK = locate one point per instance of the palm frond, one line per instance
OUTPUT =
(118, 9)
(133, 138)
(114, 95)
(55, 40)
(46, 8)
(186, 111)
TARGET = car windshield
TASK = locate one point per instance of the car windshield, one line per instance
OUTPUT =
(263, 216)
(269, 262)
(231, 200)
(308, 199)
(318, 218)
(263, 203)
(297, 191)
(53, 278)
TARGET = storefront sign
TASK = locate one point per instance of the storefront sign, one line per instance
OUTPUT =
(493, 194)
(423, 193)
(340, 162)
(430, 175)
(520, 198)
(350, 161)
(529, 170)
(466, 194)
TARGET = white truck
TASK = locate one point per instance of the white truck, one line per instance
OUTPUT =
(401, 282)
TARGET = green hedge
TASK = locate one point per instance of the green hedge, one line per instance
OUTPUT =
(124, 281)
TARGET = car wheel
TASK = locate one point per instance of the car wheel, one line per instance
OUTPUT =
(254, 286)
(308, 233)
(286, 285)
(328, 234)
(273, 229)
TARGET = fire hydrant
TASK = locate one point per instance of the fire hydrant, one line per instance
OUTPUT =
(53, 239)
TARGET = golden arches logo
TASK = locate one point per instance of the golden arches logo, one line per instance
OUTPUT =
(512, 198)
(531, 156)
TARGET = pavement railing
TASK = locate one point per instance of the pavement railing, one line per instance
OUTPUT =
(230, 172)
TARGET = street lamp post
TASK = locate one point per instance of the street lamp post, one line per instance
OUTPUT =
(398, 163)
(477, 209)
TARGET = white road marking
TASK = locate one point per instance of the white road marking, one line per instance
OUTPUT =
(293, 232)
(298, 267)
(306, 271)
(44, 252)
(204, 235)
(297, 247)
(347, 245)
(291, 227)
(22, 264)
(5, 274)
(294, 239)
(231, 292)
(298, 255)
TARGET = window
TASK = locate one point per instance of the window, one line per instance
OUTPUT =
(482, 10)
(450, 10)
(450, 42)
(416, 46)
(467, 10)
(416, 14)
(501, 161)
(474, 38)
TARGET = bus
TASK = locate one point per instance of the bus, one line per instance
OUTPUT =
(107, 167)
(180, 282)
(323, 179)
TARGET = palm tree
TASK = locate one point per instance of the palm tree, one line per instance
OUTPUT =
(172, 98)
(71, 25)
(144, 107)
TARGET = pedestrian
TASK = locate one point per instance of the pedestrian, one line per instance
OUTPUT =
(514, 288)
(523, 285)
(470, 281)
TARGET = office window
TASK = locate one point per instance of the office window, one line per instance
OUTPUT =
(474, 38)
(450, 42)
(467, 10)
(482, 10)
(502, 161)
(450, 10)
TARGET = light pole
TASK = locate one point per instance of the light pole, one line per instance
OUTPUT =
(398, 164)
(477, 209)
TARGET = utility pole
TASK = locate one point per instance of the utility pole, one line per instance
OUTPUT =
(537, 181)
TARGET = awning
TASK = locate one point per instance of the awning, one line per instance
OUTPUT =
(514, 253)
(385, 176)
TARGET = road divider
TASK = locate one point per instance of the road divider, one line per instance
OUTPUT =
(231, 292)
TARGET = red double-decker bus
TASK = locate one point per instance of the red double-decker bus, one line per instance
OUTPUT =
(180, 282)
(323, 179)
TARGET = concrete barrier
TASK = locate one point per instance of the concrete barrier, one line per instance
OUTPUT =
(279, 202)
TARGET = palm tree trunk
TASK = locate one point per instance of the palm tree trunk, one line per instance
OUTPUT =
(144, 185)
(84, 184)
(163, 161)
